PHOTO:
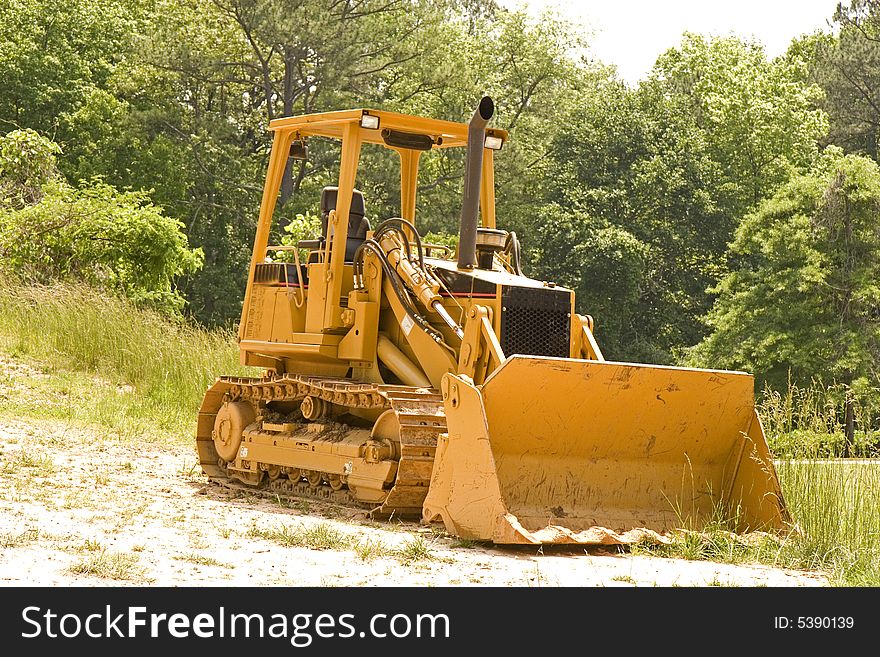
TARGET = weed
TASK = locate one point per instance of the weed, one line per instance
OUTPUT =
(117, 566)
(198, 542)
(284, 502)
(199, 559)
(91, 546)
(717, 582)
(317, 537)
(415, 550)
(836, 506)
(155, 371)
(19, 540)
(41, 464)
(371, 549)
(190, 472)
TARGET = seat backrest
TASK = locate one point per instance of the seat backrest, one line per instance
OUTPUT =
(358, 225)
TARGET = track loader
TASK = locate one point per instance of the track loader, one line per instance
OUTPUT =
(419, 381)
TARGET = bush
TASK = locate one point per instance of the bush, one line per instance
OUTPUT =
(111, 240)
(27, 166)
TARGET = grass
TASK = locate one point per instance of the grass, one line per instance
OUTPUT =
(147, 374)
(807, 421)
(39, 464)
(317, 537)
(110, 565)
(199, 559)
(324, 536)
(415, 550)
(370, 549)
(836, 506)
(10, 540)
(91, 545)
(835, 503)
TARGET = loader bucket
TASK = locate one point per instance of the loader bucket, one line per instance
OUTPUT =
(555, 450)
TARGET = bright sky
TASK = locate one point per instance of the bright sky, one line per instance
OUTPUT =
(632, 33)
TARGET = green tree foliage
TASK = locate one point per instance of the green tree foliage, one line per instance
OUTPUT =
(173, 98)
(116, 241)
(846, 65)
(672, 166)
(629, 196)
(803, 299)
(758, 115)
(52, 53)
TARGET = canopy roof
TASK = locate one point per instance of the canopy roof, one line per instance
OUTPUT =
(445, 134)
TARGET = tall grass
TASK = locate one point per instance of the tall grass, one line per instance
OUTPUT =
(168, 364)
(807, 421)
(836, 505)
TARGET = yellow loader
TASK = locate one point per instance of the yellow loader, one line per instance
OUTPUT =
(418, 381)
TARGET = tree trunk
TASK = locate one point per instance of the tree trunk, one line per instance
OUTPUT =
(850, 427)
(287, 182)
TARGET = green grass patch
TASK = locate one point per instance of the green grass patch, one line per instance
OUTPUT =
(323, 536)
(807, 421)
(145, 374)
(316, 537)
(416, 550)
(836, 507)
(27, 460)
(370, 549)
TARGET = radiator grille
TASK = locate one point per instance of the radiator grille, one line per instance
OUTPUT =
(535, 321)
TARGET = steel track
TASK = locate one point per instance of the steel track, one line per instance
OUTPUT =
(419, 412)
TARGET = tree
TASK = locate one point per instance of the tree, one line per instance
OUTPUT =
(846, 65)
(759, 115)
(53, 52)
(673, 166)
(606, 266)
(803, 300)
(633, 167)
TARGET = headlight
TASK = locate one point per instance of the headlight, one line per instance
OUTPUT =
(493, 143)
(369, 121)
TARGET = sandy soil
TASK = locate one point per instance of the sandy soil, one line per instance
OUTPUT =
(79, 508)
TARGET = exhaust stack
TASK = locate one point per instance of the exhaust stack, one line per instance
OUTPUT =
(473, 170)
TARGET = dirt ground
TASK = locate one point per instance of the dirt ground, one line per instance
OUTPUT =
(77, 508)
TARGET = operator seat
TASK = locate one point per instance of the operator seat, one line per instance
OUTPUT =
(358, 224)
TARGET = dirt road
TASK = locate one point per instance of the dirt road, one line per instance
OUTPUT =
(78, 508)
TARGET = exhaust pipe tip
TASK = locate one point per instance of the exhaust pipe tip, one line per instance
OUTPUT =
(486, 108)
